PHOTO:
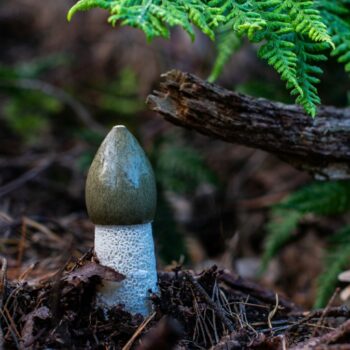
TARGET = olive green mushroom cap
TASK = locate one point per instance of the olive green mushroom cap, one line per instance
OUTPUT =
(120, 186)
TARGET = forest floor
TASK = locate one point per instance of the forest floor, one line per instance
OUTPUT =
(49, 276)
(56, 309)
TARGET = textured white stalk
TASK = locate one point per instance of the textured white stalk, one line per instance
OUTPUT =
(129, 250)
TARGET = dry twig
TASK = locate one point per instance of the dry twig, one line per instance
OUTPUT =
(218, 310)
(139, 330)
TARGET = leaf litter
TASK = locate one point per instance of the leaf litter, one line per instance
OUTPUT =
(211, 310)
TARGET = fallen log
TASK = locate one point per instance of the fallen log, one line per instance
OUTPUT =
(320, 146)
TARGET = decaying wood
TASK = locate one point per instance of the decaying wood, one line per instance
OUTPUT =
(320, 146)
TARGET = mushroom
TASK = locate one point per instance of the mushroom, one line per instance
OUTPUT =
(121, 202)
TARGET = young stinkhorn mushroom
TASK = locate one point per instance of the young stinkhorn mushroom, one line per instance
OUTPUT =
(121, 202)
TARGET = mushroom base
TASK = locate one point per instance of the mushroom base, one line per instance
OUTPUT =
(128, 249)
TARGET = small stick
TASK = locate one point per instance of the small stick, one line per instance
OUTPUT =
(10, 330)
(21, 244)
(3, 279)
(164, 336)
(272, 313)
(325, 311)
(2, 294)
(139, 330)
(218, 310)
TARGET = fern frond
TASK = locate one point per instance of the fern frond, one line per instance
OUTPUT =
(341, 37)
(293, 56)
(280, 230)
(181, 168)
(336, 17)
(147, 17)
(283, 26)
(155, 17)
(341, 237)
(279, 53)
(294, 33)
(336, 7)
(227, 44)
(306, 20)
(335, 263)
(309, 54)
(204, 17)
(242, 16)
(170, 240)
(85, 5)
(322, 198)
(279, 49)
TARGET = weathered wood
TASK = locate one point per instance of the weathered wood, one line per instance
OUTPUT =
(320, 146)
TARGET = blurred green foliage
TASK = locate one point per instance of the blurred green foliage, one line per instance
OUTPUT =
(33, 69)
(27, 111)
(266, 89)
(319, 198)
(227, 43)
(120, 95)
(181, 168)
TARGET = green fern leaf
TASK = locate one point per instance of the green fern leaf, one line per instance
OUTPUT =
(341, 37)
(336, 17)
(181, 168)
(294, 34)
(334, 264)
(279, 53)
(85, 5)
(244, 18)
(280, 230)
(307, 20)
(227, 44)
(309, 54)
(322, 198)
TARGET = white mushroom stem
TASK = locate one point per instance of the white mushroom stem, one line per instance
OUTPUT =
(128, 249)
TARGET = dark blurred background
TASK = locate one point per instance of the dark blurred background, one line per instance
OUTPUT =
(64, 85)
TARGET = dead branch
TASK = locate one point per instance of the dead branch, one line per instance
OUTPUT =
(320, 146)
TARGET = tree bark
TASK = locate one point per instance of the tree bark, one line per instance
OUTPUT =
(320, 146)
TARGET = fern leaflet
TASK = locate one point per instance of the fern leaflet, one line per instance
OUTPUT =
(294, 34)
(334, 264)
